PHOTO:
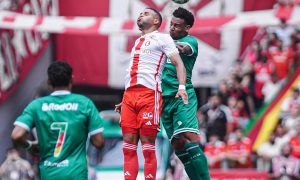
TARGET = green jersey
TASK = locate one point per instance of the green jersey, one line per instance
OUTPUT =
(169, 78)
(63, 122)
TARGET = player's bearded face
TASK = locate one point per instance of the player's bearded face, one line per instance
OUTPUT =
(145, 19)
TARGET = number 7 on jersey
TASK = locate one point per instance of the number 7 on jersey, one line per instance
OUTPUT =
(62, 127)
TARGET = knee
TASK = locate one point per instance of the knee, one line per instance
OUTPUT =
(178, 144)
(149, 152)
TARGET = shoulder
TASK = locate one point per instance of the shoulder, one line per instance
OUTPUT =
(191, 40)
(163, 37)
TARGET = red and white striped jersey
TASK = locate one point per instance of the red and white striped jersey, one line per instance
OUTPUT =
(148, 58)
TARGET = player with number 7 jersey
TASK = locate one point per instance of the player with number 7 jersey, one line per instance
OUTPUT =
(63, 121)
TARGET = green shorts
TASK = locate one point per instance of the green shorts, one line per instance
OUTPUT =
(178, 117)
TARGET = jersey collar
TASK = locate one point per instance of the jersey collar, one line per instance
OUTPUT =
(60, 92)
(149, 34)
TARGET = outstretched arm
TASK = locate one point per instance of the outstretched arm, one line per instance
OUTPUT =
(181, 76)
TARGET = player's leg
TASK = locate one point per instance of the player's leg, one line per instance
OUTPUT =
(198, 158)
(170, 106)
(148, 137)
(149, 122)
(185, 141)
(130, 141)
(130, 136)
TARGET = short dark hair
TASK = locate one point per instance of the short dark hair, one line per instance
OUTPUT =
(59, 74)
(184, 14)
(158, 14)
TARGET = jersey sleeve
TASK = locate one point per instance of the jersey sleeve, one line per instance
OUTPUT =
(26, 119)
(168, 46)
(95, 125)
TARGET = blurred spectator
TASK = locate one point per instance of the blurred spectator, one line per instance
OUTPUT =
(285, 166)
(271, 42)
(15, 168)
(271, 88)
(284, 32)
(295, 142)
(292, 120)
(289, 102)
(239, 151)
(266, 152)
(243, 116)
(295, 48)
(232, 104)
(239, 113)
(241, 92)
(282, 60)
(262, 72)
(251, 56)
(282, 137)
(223, 90)
(215, 151)
(212, 118)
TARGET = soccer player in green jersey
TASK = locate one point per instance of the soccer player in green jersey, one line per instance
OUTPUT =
(63, 121)
(179, 119)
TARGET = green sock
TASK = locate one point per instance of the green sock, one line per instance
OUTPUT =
(198, 160)
(188, 166)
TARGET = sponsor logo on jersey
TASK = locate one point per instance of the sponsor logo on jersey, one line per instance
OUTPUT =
(60, 107)
(147, 115)
(143, 51)
(169, 61)
(63, 163)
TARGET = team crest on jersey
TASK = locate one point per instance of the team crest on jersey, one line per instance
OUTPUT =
(147, 115)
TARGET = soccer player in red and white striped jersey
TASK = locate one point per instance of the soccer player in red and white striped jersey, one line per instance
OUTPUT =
(141, 105)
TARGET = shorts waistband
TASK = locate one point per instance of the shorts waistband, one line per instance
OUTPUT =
(139, 88)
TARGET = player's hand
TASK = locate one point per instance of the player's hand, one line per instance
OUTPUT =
(183, 48)
(34, 149)
(118, 107)
(182, 93)
(180, 47)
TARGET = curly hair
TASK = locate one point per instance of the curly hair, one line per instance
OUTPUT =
(59, 74)
(184, 14)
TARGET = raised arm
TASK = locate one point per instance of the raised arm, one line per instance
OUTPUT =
(181, 76)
